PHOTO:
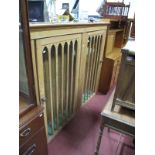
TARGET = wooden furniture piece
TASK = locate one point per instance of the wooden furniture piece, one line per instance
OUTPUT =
(125, 87)
(132, 33)
(121, 119)
(114, 10)
(66, 63)
(116, 35)
(32, 136)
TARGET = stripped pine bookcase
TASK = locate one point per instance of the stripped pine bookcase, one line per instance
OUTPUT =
(67, 66)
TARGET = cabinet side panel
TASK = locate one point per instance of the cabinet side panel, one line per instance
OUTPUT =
(106, 74)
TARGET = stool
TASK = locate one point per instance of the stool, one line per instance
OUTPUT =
(120, 119)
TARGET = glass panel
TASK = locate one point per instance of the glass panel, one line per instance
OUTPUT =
(23, 81)
(53, 11)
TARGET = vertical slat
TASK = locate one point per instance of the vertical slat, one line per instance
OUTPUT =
(46, 84)
(88, 67)
(86, 70)
(96, 62)
(62, 80)
(53, 77)
(74, 73)
(60, 83)
(50, 85)
(57, 88)
(93, 64)
(77, 50)
(67, 90)
(71, 81)
(65, 80)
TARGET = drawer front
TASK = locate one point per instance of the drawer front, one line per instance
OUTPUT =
(37, 145)
(27, 131)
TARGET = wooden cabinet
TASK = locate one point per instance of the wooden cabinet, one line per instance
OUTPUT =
(66, 63)
(32, 137)
(36, 145)
(33, 121)
(109, 74)
(125, 88)
(116, 38)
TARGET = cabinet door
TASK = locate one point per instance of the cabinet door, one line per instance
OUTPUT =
(27, 96)
(92, 53)
(58, 60)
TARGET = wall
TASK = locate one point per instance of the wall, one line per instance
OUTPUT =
(91, 8)
(59, 4)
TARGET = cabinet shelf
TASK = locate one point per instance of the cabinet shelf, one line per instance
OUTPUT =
(116, 30)
(115, 54)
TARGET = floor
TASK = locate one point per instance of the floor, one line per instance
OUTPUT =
(80, 135)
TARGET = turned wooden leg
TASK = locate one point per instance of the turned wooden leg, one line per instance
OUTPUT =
(99, 138)
(118, 143)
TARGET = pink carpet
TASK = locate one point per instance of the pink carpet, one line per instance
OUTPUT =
(80, 135)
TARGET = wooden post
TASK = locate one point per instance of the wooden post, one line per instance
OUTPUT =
(99, 138)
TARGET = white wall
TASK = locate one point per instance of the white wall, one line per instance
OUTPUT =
(59, 4)
(89, 5)
(92, 5)
(132, 8)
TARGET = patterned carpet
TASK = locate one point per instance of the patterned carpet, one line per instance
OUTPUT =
(80, 135)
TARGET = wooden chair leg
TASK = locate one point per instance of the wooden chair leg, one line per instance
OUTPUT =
(118, 143)
(99, 138)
